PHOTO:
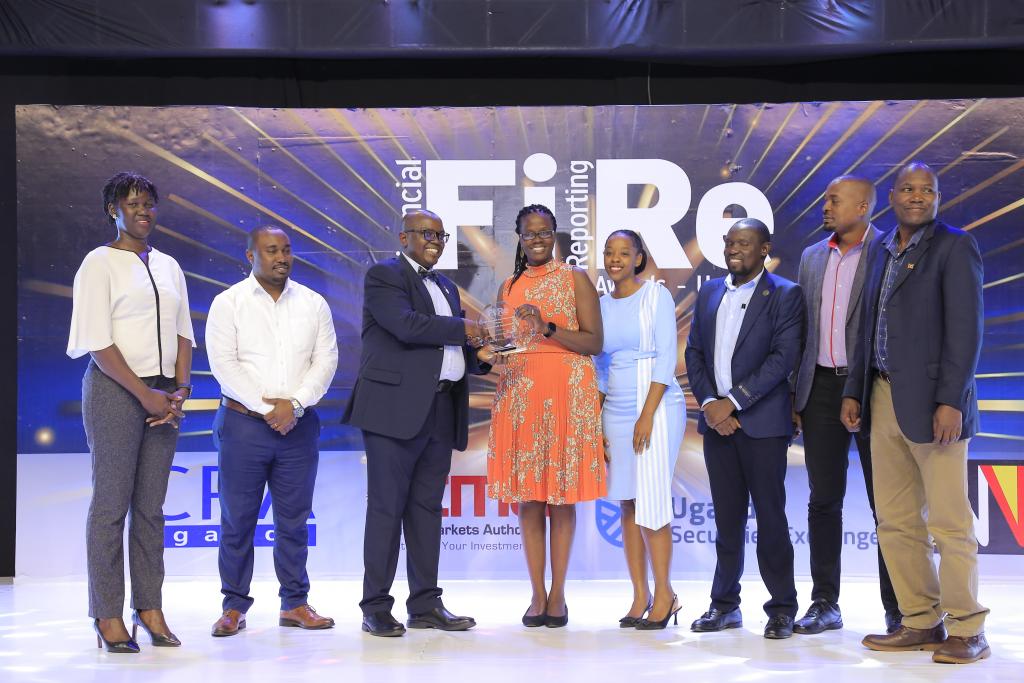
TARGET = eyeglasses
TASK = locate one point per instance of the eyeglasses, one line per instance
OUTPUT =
(431, 235)
(539, 235)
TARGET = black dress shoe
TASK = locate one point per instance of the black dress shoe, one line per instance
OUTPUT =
(716, 620)
(893, 621)
(822, 615)
(442, 619)
(552, 621)
(382, 624)
(534, 621)
(779, 626)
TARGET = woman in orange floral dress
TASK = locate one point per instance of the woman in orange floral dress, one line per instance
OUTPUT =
(545, 446)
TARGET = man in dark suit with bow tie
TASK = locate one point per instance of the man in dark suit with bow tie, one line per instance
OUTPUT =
(745, 339)
(412, 403)
(911, 386)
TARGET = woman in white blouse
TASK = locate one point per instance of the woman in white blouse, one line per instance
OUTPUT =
(130, 313)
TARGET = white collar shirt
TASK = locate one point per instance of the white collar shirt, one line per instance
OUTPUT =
(727, 328)
(141, 308)
(453, 364)
(258, 347)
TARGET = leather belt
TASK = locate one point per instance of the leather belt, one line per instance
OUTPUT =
(840, 371)
(886, 376)
(445, 386)
(232, 404)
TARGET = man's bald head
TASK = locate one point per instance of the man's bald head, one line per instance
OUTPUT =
(861, 188)
(915, 167)
(416, 216)
(849, 202)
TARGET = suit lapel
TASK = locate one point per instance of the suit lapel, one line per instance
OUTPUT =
(714, 301)
(913, 258)
(758, 302)
(416, 284)
(817, 266)
(862, 267)
(451, 294)
(879, 256)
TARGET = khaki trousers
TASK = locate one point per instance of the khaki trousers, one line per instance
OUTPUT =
(920, 495)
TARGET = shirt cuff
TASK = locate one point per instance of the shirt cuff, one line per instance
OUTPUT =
(734, 401)
(708, 400)
(304, 397)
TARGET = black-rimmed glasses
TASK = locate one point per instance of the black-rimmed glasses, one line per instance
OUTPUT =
(431, 235)
(539, 235)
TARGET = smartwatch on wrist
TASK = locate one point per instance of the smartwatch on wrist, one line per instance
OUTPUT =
(185, 386)
(550, 331)
(297, 409)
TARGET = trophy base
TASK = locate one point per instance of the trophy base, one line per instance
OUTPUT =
(506, 349)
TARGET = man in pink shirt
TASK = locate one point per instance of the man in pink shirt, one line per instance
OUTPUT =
(832, 277)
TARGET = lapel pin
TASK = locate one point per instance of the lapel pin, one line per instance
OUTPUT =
(764, 293)
(910, 266)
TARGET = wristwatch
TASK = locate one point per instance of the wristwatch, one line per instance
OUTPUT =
(550, 331)
(297, 409)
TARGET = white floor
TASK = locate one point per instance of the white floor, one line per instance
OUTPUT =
(44, 636)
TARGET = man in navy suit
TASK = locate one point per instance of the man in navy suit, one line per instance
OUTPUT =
(745, 339)
(911, 385)
(412, 403)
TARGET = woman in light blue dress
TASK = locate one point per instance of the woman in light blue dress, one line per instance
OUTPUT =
(644, 418)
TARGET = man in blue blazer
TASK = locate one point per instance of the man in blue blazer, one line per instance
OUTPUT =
(832, 279)
(412, 403)
(911, 384)
(745, 340)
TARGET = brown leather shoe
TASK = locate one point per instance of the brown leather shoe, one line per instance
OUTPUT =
(958, 650)
(304, 616)
(905, 639)
(229, 624)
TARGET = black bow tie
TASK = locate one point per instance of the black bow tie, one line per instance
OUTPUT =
(427, 274)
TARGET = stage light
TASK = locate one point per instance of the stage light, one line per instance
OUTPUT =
(45, 436)
(238, 24)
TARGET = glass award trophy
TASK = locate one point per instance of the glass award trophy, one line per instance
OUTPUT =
(504, 332)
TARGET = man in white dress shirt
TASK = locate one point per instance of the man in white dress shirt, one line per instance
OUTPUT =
(272, 347)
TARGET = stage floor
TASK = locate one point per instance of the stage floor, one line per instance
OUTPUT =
(44, 636)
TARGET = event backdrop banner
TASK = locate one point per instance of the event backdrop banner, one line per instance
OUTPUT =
(338, 182)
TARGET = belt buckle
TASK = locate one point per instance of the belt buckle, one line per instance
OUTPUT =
(841, 370)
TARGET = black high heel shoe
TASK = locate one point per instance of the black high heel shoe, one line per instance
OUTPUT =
(157, 639)
(534, 621)
(631, 622)
(121, 647)
(557, 622)
(673, 612)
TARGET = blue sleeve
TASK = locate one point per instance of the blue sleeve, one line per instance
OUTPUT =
(666, 339)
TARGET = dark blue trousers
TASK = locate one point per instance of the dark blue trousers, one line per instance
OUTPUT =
(741, 468)
(252, 457)
(404, 491)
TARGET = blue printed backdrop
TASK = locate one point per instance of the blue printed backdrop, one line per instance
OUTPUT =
(331, 178)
